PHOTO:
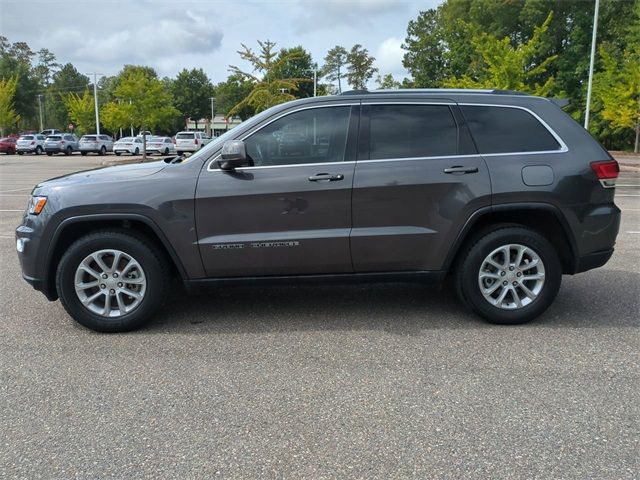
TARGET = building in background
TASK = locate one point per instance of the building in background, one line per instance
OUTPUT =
(216, 128)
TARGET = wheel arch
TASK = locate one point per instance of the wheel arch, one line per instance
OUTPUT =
(73, 228)
(544, 218)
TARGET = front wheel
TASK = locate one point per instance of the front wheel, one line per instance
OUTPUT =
(510, 275)
(112, 281)
(117, 154)
(49, 154)
(38, 150)
(137, 151)
(84, 154)
(103, 151)
(20, 153)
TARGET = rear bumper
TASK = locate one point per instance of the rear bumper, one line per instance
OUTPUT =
(593, 260)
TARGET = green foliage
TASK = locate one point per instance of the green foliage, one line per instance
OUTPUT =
(334, 68)
(81, 110)
(509, 67)
(268, 89)
(617, 87)
(360, 69)
(387, 82)
(141, 100)
(8, 116)
(65, 81)
(15, 63)
(230, 93)
(298, 64)
(192, 91)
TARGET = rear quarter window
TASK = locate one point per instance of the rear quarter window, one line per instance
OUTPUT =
(507, 130)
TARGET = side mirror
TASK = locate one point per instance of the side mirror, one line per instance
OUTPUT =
(234, 155)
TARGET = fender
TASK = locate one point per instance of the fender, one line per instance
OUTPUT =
(109, 216)
(506, 207)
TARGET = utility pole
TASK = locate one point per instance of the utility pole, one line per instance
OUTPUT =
(591, 62)
(40, 108)
(315, 79)
(95, 99)
(212, 115)
(131, 124)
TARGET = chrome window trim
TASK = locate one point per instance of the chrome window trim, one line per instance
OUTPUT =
(563, 146)
(284, 114)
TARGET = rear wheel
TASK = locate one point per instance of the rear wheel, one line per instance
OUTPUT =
(117, 154)
(166, 151)
(38, 150)
(137, 151)
(510, 275)
(68, 151)
(20, 153)
(103, 151)
(49, 154)
(84, 154)
(112, 281)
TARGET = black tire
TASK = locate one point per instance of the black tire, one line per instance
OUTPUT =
(20, 153)
(166, 151)
(469, 264)
(103, 151)
(49, 154)
(84, 154)
(136, 152)
(38, 150)
(117, 154)
(152, 261)
(68, 151)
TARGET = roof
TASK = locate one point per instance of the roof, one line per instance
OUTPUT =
(436, 90)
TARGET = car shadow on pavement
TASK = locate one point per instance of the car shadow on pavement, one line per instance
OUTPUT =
(589, 300)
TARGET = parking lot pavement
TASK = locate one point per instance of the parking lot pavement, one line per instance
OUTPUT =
(382, 381)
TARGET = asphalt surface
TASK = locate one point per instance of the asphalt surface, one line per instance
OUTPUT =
(382, 381)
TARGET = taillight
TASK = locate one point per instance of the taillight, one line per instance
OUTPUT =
(607, 172)
(33, 143)
(196, 141)
(61, 142)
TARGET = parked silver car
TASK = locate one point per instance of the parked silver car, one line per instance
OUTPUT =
(30, 144)
(66, 143)
(161, 145)
(94, 143)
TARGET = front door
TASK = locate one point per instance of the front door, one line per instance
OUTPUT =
(290, 212)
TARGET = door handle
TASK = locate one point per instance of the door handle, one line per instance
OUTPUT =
(326, 177)
(458, 169)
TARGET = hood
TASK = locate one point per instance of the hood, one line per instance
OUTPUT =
(117, 173)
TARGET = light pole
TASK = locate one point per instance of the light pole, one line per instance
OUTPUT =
(95, 99)
(40, 108)
(212, 116)
(591, 62)
(315, 79)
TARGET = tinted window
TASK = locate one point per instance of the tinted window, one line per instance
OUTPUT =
(27, 137)
(55, 138)
(309, 136)
(406, 131)
(89, 138)
(502, 130)
(183, 136)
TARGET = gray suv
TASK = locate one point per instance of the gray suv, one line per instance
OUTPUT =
(502, 191)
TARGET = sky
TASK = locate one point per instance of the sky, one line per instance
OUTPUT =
(102, 36)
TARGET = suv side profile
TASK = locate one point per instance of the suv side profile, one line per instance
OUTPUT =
(66, 143)
(502, 191)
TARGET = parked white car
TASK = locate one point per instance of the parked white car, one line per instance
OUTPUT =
(94, 143)
(30, 144)
(161, 145)
(191, 141)
(132, 145)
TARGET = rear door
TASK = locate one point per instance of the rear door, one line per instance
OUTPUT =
(418, 179)
(289, 213)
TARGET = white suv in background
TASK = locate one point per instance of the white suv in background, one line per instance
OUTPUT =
(191, 141)
(30, 144)
(94, 143)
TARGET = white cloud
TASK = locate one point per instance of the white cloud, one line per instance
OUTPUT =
(389, 58)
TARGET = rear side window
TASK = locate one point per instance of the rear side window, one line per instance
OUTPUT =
(408, 131)
(507, 130)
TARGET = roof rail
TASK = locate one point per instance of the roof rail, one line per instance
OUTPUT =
(494, 91)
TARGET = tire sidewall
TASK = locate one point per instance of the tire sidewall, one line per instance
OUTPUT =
(151, 265)
(470, 288)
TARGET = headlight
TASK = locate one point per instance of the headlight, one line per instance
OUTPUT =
(36, 205)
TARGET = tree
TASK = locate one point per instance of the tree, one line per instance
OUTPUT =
(191, 91)
(424, 57)
(144, 103)
(8, 116)
(506, 67)
(230, 93)
(66, 80)
(617, 87)
(81, 110)
(387, 82)
(298, 64)
(45, 67)
(268, 89)
(360, 69)
(15, 63)
(334, 68)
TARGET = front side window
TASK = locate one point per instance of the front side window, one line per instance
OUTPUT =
(315, 135)
(507, 130)
(411, 131)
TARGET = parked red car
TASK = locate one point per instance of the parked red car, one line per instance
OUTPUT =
(8, 145)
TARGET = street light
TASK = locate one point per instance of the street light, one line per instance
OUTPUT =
(591, 62)
(212, 115)
(95, 98)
